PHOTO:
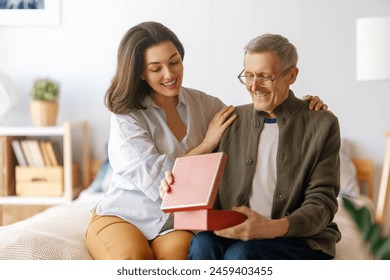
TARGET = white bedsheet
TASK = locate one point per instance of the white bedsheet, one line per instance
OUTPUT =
(59, 234)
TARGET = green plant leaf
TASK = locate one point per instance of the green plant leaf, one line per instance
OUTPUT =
(363, 221)
(371, 232)
(374, 234)
(380, 248)
(45, 89)
(386, 256)
(350, 207)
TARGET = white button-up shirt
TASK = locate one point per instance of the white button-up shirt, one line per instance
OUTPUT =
(141, 148)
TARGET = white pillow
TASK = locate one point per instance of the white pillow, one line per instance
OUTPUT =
(349, 185)
(102, 181)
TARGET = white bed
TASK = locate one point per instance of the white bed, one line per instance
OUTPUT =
(58, 233)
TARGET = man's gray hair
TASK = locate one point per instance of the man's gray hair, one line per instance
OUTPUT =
(277, 44)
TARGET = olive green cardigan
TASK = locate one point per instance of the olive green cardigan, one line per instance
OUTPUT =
(308, 169)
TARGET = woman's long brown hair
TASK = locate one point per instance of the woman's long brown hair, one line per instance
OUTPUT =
(127, 91)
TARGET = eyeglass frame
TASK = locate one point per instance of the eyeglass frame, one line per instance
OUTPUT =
(284, 72)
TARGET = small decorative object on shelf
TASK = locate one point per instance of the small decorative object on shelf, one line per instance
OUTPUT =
(44, 104)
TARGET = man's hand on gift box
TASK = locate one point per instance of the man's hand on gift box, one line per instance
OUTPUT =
(255, 226)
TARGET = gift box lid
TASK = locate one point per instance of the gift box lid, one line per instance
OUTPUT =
(196, 182)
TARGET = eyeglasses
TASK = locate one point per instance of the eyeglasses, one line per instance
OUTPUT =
(247, 79)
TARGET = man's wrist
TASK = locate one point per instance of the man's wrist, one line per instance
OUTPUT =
(279, 227)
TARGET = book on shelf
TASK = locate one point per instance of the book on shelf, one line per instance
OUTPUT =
(36, 153)
(7, 163)
(19, 152)
(58, 153)
(51, 153)
(27, 153)
(45, 154)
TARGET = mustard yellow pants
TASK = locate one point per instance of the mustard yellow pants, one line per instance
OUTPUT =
(112, 238)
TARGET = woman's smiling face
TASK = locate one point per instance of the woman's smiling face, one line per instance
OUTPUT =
(163, 69)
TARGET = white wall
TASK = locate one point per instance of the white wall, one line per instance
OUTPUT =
(81, 54)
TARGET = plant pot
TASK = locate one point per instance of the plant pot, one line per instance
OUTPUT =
(43, 113)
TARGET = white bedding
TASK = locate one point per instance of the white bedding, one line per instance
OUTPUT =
(59, 233)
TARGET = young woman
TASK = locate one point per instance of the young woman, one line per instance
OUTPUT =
(154, 121)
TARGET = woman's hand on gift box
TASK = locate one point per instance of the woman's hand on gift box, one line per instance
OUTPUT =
(165, 184)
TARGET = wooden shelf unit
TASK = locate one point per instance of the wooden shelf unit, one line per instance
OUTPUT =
(74, 139)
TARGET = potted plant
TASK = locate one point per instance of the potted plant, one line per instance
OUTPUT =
(371, 231)
(44, 104)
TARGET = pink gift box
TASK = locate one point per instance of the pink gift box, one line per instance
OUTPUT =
(193, 193)
(207, 219)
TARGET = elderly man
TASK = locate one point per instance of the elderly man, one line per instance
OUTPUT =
(282, 170)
